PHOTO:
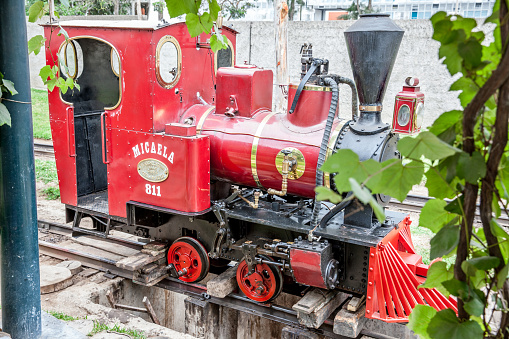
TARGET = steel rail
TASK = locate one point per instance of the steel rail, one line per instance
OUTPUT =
(414, 203)
(44, 149)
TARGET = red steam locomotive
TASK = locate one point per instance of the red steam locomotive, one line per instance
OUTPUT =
(170, 141)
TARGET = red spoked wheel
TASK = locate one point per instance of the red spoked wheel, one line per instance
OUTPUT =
(263, 285)
(189, 258)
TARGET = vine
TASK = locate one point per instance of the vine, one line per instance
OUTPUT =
(463, 156)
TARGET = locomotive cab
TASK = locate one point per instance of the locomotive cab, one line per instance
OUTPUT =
(134, 78)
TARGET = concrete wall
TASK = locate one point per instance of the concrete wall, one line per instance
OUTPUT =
(418, 56)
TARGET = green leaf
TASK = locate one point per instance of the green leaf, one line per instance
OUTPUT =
(77, 86)
(468, 90)
(179, 7)
(218, 42)
(325, 193)
(442, 31)
(379, 211)
(451, 61)
(464, 24)
(434, 216)
(10, 86)
(214, 9)
(365, 196)
(51, 84)
(45, 73)
(36, 11)
(194, 26)
(474, 307)
(63, 32)
(437, 185)
(438, 16)
(445, 241)
(437, 274)
(471, 168)
(471, 52)
(445, 121)
(502, 237)
(69, 82)
(445, 325)
(456, 288)
(425, 144)
(207, 22)
(483, 263)
(419, 319)
(397, 179)
(5, 116)
(35, 44)
(502, 276)
(362, 193)
(345, 163)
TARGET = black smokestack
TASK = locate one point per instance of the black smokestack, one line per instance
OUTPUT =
(373, 42)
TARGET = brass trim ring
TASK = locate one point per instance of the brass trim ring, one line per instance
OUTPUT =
(370, 108)
(312, 88)
(160, 44)
(204, 116)
(254, 147)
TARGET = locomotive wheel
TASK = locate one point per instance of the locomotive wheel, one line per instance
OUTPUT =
(263, 285)
(189, 258)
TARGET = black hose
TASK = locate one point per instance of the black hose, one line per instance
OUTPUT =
(349, 82)
(333, 212)
(325, 141)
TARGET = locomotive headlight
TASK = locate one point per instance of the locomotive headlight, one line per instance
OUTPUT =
(419, 114)
(403, 115)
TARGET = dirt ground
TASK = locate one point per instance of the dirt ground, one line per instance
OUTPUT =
(77, 300)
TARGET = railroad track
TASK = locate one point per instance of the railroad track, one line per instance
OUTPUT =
(234, 301)
(44, 150)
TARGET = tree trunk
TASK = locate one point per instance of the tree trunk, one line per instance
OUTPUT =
(370, 5)
(138, 8)
(116, 7)
(281, 28)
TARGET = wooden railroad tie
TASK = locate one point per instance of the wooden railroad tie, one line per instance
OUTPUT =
(148, 307)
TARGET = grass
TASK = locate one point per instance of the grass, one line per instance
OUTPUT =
(421, 237)
(63, 316)
(40, 114)
(46, 171)
(51, 193)
(99, 327)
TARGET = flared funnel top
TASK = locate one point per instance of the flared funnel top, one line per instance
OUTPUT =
(373, 42)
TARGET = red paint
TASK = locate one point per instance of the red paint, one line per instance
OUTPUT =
(306, 266)
(184, 257)
(231, 141)
(312, 108)
(183, 130)
(411, 97)
(145, 108)
(187, 187)
(393, 282)
(261, 285)
(243, 90)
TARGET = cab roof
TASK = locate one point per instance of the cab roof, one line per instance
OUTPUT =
(126, 24)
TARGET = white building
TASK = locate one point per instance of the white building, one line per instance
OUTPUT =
(317, 10)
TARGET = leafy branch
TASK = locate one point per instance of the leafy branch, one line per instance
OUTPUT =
(464, 156)
(199, 21)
